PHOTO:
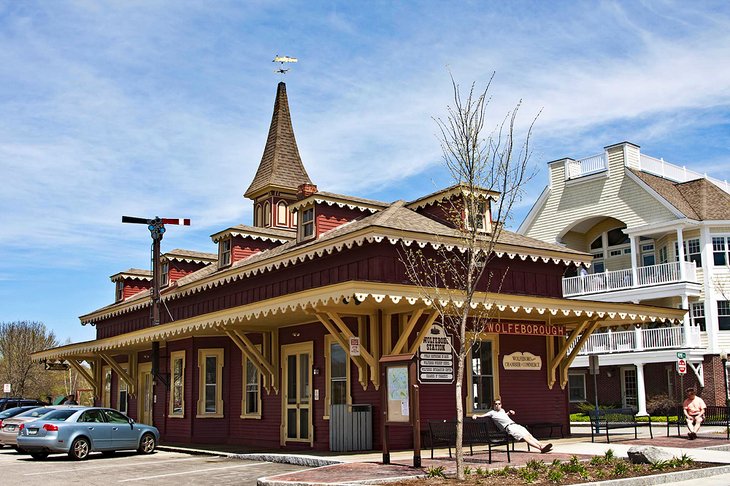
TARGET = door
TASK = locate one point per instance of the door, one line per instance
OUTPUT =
(629, 391)
(297, 400)
(94, 425)
(124, 435)
(144, 397)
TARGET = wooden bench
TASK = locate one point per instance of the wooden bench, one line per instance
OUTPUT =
(714, 415)
(618, 418)
(476, 432)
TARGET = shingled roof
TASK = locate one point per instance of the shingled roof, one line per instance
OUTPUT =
(281, 166)
(699, 199)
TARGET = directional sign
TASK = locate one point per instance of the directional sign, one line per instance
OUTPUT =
(682, 366)
(681, 355)
(435, 357)
(56, 366)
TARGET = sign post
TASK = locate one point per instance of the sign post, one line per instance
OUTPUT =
(401, 406)
(594, 369)
(682, 370)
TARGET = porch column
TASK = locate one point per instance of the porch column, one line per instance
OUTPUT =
(680, 254)
(640, 390)
(634, 256)
(639, 338)
(711, 323)
(686, 321)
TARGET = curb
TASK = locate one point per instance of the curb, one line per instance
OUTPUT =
(195, 452)
(298, 460)
(664, 478)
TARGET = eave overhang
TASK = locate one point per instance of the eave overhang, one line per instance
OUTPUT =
(355, 298)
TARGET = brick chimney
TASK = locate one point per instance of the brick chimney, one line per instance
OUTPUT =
(305, 190)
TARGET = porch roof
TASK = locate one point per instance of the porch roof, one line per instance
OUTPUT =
(359, 298)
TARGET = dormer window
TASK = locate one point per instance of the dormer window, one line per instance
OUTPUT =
(119, 295)
(164, 274)
(224, 252)
(478, 220)
(307, 230)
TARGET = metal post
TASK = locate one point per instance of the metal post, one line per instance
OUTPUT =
(724, 372)
(595, 394)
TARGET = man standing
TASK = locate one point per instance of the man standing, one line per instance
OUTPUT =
(694, 411)
(517, 431)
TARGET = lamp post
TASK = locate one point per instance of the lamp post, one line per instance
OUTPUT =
(723, 358)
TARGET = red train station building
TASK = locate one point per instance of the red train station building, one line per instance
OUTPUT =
(257, 341)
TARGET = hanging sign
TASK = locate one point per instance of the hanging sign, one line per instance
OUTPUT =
(354, 346)
(524, 328)
(435, 357)
(522, 361)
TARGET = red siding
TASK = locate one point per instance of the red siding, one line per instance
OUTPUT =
(134, 286)
(328, 217)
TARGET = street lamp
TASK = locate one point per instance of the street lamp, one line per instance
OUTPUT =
(723, 358)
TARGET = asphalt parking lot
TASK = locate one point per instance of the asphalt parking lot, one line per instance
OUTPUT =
(130, 468)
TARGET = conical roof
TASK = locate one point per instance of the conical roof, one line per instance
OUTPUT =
(281, 166)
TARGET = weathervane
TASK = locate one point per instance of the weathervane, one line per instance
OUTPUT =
(281, 60)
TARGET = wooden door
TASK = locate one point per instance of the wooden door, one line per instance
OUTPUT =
(297, 400)
(144, 396)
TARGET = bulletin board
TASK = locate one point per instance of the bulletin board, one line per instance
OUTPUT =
(397, 393)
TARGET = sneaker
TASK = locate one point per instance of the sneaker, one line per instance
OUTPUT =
(692, 436)
(546, 449)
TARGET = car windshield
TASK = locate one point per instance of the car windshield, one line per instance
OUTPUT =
(36, 412)
(12, 412)
(59, 415)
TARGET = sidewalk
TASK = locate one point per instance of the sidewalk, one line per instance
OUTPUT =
(363, 468)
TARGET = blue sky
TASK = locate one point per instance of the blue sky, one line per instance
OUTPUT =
(151, 108)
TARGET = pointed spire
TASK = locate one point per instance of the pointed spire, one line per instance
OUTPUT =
(280, 167)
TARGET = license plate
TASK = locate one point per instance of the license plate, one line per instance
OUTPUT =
(11, 428)
(32, 431)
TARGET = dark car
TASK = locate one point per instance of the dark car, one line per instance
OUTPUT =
(6, 403)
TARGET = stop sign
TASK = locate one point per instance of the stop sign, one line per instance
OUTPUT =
(681, 366)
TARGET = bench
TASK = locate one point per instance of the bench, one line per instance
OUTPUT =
(714, 415)
(545, 426)
(476, 432)
(618, 418)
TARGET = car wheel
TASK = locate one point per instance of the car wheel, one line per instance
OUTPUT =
(79, 449)
(39, 455)
(147, 444)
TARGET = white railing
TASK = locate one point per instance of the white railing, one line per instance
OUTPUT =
(642, 340)
(586, 166)
(624, 279)
(676, 173)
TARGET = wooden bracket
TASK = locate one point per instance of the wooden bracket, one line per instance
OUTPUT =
(85, 373)
(554, 363)
(250, 351)
(574, 353)
(424, 332)
(362, 365)
(131, 385)
(410, 325)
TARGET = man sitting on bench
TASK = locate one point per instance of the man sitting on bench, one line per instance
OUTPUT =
(694, 410)
(518, 432)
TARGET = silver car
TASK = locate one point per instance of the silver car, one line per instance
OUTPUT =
(10, 427)
(77, 431)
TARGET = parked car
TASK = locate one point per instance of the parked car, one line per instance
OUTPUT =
(12, 412)
(77, 431)
(9, 431)
(6, 403)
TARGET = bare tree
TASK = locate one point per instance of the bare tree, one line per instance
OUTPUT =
(17, 341)
(491, 172)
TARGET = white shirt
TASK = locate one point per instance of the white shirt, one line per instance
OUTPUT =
(500, 417)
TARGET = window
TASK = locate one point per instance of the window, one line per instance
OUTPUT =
(122, 396)
(106, 400)
(210, 393)
(577, 387)
(663, 255)
(164, 274)
(617, 237)
(723, 314)
(119, 290)
(721, 250)
(627, 251)
(267, 214)
(615, 253)
(115, 417)
(281, 218)
(483, 385)
(629, 388)
(598, 266)
(697, 314)
(93, 415)
(479, 220)
(252, 387)
(177, 386)
(597, 243)
(259, 216)
(224, 257)
(308, 222)
(647, 255)
(691, 251)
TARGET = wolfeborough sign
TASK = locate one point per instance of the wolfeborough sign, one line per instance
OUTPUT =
(435, 357)
(524, 328)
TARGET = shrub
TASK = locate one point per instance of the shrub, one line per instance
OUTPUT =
(467, 470)
(528, 475)
(536, 465)
(435, 472)
(660, 404)
(555, 475)
(573, 466)
(609, 455)
(619, 469)
(660, 465)
(586, 407)
(482, 472)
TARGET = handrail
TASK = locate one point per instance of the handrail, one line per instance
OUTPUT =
(624, 279)
(642, 340)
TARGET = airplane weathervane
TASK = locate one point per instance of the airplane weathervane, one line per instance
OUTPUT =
(281, 60)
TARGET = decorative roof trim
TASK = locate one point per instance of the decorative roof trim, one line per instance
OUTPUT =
(341, 203)
(609, 312)
(447, 194)
(249, 234)
(310, 253)
(130, 276)
(187, 259)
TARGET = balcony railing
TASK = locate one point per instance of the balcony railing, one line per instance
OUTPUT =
(583, 167)
(642, 340)
(650, 275)
(676, 173)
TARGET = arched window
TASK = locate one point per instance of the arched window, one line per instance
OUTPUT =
(267, 214)
(617, 237)
(259, 216)
(597, 243)
(281, 219)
